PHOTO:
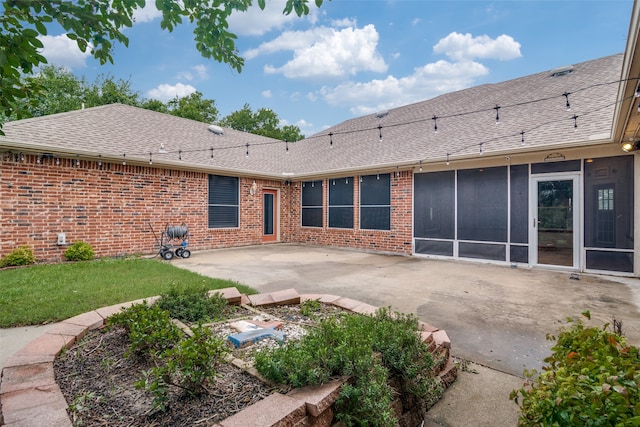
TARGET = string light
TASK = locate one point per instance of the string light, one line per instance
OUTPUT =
(497, 108)
(57, 161)
(124, 160)
(420, 165)
(100, 161)
(447, 162)
(21, 156)
(247, 153)
(38, 160)
(286, 145)
(522, 139)
(481, 150)
(567, 105)
(78, 161)
(575, 122)
(347, 180)
(212, 152)
(330, 139)
(435, 123)
(380, 132)
(150, 159)
(180, 155)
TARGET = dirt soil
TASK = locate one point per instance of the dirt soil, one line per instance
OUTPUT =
(97, 379)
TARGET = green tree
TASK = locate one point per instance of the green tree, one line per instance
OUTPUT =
(105, 90)
(95, 25)
(154, 105)
(263, 122)
(61, 91)
(194, 107)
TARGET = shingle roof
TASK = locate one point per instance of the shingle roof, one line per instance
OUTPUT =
(534, 104)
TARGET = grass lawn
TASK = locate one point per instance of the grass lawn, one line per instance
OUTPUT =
(53, 292)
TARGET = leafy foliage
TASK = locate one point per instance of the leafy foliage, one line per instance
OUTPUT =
(370, 349)
(592, 379)
(79, 251)
(95, 25)
(193, 304)
(263, 122)
(150, 329)
(194, 107)
(190, 365)
(22, 255)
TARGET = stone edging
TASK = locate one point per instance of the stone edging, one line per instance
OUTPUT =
(30, 396)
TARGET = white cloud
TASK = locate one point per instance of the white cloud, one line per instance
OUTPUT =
(64, 52)
(267, 94)
(147, 14)
(325, 52)
(165, 92)
(460, 47)
(198, 72)
(344, 22)
(256, 22)
(415, 21)
(424, 83)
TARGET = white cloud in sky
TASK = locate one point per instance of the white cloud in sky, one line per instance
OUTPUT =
(460, 47)
(197, 72)
(165, 92)
(64, 52)
(344, 22)
(267, 94)
(427, 81)
(256, 22)
(325, 52)
(146, 14)
(415, 21)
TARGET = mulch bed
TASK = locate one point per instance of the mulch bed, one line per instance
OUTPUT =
(98, 380)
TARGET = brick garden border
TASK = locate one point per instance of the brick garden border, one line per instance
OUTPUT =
(30, 396)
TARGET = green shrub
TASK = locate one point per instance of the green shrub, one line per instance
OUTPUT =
(150, 329)
(192, 304)
(22, 255)
(370, 349)
(592, 379)
(190, 365)
(79, 251)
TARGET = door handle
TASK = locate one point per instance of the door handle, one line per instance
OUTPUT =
(534, 223)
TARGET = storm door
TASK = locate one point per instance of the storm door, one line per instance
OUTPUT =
(555, 221)
(269, 216)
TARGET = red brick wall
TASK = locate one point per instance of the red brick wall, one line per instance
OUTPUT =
(111, 207)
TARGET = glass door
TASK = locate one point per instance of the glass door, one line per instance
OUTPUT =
(269, 212)
(555, 233)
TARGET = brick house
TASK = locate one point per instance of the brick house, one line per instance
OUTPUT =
(528, 171)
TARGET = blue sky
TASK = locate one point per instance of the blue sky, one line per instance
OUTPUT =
(354, 57)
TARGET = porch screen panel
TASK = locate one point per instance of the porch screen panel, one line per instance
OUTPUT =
(519, 204)
(434, 208)
(224, 201)
(482, 251)
(608, 213)
(482, 204)
(312, 204)
(341, 202)
(375, 202)
(434, 247)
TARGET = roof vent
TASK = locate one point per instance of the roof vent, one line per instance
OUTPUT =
(216, 129)
(381, 114)
(562, 71)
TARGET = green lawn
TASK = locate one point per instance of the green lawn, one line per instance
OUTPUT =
(48, 293)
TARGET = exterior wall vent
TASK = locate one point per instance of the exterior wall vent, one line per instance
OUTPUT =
(562, 71)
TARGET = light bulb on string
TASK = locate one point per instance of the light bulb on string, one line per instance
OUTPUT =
(286, 143)
(100, 161)
(435, 123)
(330, 139)
(124, 160)
(447, 162)
(575, 122)
(481, 148)
(150, 158)
(522, 138)
(247, 153)
(212, 152)
(78, 161)
(57, 161)
(497, 108)
(567, 105)
(380, 133)
(420, 165)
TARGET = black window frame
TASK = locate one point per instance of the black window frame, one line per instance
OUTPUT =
(375, 202)
(223, 202)
(312, 204)
(340, 210)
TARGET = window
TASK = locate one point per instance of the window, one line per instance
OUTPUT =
(341, 202)
(224, 201)
(434, 205)
(375, 202)
(312, 204)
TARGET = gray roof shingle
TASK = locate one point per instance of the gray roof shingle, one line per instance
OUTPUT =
(466, 120)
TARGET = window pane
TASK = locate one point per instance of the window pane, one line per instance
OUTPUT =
(312, 217)
(520, 204)
(519, 254)
(482, 204)
(224, 207)
(312, 193)
(549, 167)
(375, 218)
(341, 217)
(375, 190)
(608, 204)
(434, 205)
(434, 247)
(268, 215)
(482, 251)
(610, 261)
